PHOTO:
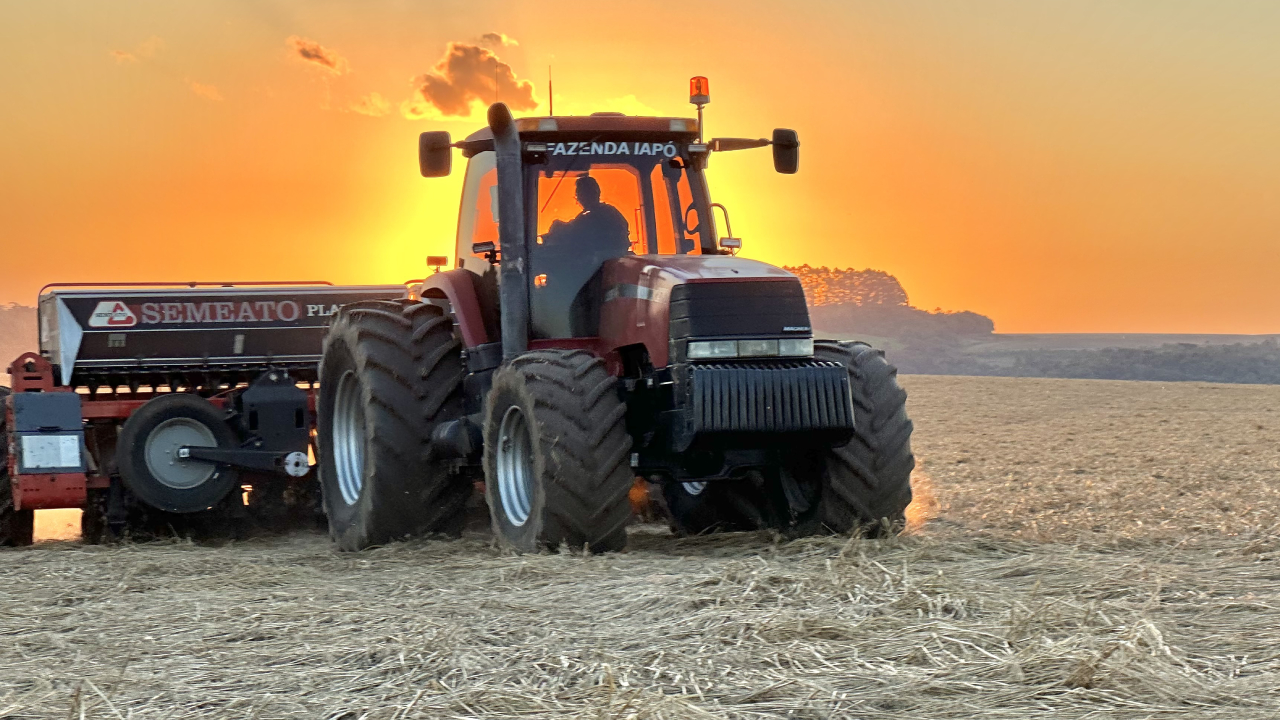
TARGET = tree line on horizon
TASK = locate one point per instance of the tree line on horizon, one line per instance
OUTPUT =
(849, 302)
(1251, 363)
(871, 304)
(18, 333)
(846, 286)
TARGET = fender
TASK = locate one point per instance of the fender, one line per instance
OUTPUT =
(461, 288)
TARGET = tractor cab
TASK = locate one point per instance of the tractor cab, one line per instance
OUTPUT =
(596, 188)
(591, 189)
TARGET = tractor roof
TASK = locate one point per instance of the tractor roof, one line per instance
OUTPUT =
(595, 123)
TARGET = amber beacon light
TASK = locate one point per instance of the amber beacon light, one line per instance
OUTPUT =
(699, 94)
(699, 91)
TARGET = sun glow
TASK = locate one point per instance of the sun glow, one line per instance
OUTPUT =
(924, 503)
(57, 525)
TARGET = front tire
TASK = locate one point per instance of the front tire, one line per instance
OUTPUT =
(556, 454)
(866, 483)
(390, 372)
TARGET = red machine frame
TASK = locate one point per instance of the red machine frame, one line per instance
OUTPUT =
(31, 372)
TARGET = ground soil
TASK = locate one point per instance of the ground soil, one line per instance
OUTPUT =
(1077, 549)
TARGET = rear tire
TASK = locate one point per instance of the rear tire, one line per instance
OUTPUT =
(151, 471)
(556, 454)
(390, 372)
(866, 484)
(17, 527)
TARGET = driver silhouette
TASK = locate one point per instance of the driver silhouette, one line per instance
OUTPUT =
(599, 226)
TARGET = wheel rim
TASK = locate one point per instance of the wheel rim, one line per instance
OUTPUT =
(348, 437)
(515, 466)
(694, 488)
(161, 452)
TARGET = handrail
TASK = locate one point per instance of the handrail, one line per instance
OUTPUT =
(190, 283)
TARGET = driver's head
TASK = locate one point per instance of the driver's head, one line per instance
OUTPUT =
(587, 190)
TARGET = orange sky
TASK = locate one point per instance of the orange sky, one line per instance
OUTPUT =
(1073, 166)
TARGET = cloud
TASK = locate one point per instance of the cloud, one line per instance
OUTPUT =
(144, 50)
(467, 74)
(373, 105)
(413, 109)
(208, 92)
(497, 39)
(313, 52)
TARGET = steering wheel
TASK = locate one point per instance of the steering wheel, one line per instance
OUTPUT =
(690, 230)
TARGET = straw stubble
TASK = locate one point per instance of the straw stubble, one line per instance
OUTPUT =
(1051, 601)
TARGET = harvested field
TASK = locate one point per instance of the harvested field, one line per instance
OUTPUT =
(1084, 549)
(1055, 460)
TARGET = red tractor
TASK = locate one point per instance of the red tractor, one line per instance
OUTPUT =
(596, 330)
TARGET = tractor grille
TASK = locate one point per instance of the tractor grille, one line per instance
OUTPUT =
(801, 396)
(756, 308)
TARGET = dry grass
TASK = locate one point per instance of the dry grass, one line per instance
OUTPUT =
(1051, 609)
(1053, 460)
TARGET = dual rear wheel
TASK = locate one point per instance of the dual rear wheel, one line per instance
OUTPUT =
(556, 447)
(391, 372)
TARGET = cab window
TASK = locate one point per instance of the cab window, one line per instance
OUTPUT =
(589, 210)
(601, 206)
(673, 206)
(478, 215)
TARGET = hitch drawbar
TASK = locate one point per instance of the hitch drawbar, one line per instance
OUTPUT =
(274, 420)
(293, 464)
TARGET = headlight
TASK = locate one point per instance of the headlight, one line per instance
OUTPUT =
(707, 349)
(796, 347)
(757, 348)
(720, 349)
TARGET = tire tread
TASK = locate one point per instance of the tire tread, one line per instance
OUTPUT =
(410, 365)
(582, 438)
(868, 480)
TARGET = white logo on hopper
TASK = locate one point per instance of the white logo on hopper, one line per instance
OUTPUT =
(112, 313)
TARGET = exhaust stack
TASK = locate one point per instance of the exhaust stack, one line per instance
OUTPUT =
(511, 236)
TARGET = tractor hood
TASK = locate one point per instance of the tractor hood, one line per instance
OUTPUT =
(655, 299)
(676, 269)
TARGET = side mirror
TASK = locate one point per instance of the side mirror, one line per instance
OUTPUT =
(435, 154)
(786, 151)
